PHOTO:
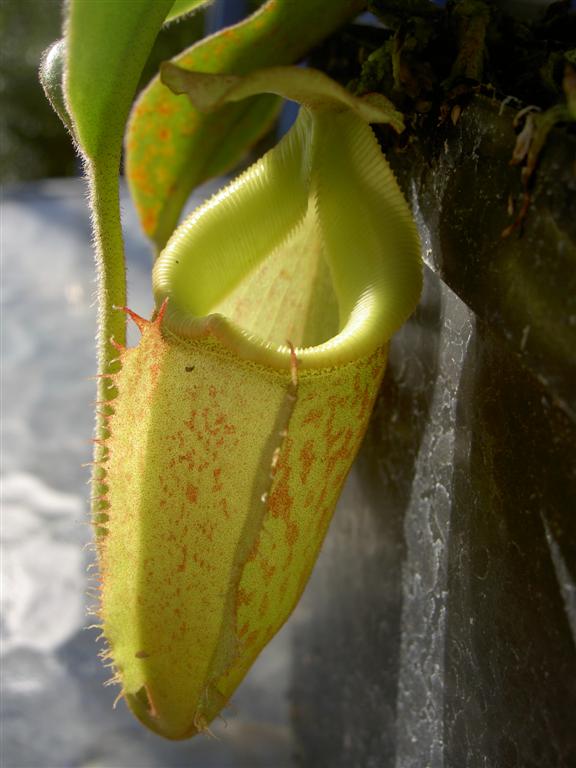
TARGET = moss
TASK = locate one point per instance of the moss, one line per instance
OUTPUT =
(428, 59)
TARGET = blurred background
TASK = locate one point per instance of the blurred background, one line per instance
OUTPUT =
(33, 144)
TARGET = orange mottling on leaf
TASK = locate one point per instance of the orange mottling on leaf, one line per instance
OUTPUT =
(225, 510)
(141, 175)
(281, 500)
(312, 416)
(252, 637)
(217, 485)
(149, 219)
(263, 609)
(291, 533)
(243, 629)
(243, 597)
(192, 493)
(163, 108)
(307, 460)
(284, 585)
(191, 422)
(182, 564)
(268, 570)
(366, 406)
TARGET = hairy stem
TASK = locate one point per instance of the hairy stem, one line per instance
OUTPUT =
(110, 262)
(111, 275)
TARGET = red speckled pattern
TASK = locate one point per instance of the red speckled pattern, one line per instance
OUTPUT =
(200, 568)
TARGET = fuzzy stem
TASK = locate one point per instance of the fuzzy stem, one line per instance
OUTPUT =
(111, 275)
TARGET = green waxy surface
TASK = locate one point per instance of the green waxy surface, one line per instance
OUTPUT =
(101, 77)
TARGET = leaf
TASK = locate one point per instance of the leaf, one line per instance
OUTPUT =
(171, 148)
(52, 79)
(183, 7)
(308, 87)
(107, 46)
(241, 410)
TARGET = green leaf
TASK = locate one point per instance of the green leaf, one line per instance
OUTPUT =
(171, 147)
(52, 79)
(183, 7)
(108, 43)
(308, 87)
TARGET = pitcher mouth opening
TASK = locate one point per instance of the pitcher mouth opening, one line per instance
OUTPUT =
(312, 247)
(339, 350)
(287, 300)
